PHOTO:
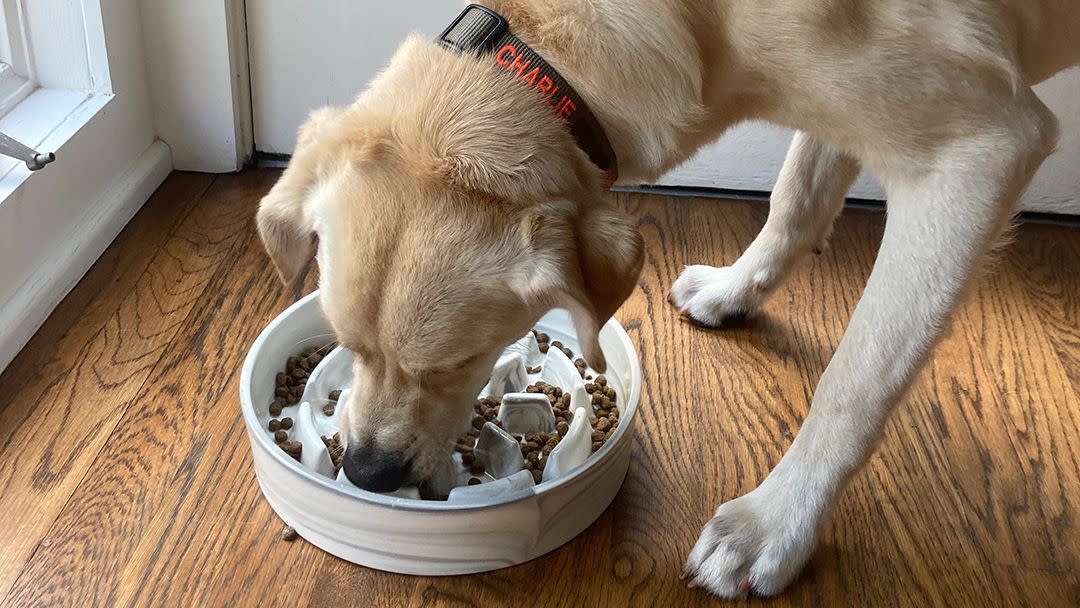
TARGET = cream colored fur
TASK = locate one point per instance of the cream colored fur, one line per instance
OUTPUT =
(452, 209)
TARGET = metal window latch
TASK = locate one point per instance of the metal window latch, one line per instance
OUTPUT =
(34, 160)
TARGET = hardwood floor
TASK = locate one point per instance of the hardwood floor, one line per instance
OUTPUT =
(126, 476)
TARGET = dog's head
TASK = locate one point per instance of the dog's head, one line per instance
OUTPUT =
(452, 210)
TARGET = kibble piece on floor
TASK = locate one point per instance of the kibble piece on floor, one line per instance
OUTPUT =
(280, 436)
(286, 423)
(603, 424)
(597, 445)
(538, 475)
(275, 407)
(562, 427)
(467, 458)
(274, 425)
(557, 344)
(328, 409)
(601, 380)
(566, 351)
(281, 378)
(542, 337)
(473, 481)
(544, 347)
(335, 395)
(288, 533)
(598, 435)
(478, 422)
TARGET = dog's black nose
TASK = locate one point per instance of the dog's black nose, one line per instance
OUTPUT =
(373, 469)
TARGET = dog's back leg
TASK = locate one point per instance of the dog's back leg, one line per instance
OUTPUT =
(809, 194)
(944, 216)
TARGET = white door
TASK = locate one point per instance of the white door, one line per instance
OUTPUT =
(308, 54)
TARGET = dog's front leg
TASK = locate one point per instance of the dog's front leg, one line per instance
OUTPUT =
(809, 194)
(942, 220)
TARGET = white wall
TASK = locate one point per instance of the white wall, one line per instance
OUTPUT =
(305, 56)
(749, 157)
(196, 54)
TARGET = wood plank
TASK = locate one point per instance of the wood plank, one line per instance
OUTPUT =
(87, 306)
(52, 431)
(969, 502)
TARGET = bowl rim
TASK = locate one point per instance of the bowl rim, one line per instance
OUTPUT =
(252, 423)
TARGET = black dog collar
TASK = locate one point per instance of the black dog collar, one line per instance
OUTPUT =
(481, 30)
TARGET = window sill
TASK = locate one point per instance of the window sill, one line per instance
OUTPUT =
(44, 121)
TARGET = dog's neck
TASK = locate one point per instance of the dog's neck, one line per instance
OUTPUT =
(642, 72)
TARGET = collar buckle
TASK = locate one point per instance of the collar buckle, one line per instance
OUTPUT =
(477, 29)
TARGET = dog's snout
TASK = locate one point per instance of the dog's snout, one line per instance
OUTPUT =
(376, 470)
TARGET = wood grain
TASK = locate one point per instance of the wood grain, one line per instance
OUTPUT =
(127, 478)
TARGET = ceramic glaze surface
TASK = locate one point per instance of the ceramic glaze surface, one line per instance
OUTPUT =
(506, 520)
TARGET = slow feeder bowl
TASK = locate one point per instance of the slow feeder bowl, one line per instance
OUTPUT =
(507, 520)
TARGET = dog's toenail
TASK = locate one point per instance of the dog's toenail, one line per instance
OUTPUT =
(744, 586)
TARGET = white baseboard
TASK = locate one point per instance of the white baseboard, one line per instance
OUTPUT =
(85, 241)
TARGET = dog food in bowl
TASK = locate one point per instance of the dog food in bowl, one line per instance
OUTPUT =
(522, 420)
(521, 502)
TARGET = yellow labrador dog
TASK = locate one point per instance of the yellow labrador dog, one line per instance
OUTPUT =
(461, 196)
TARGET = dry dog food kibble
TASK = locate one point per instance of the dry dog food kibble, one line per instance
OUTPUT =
(336, 450)
(289, 384)
(288, 533)
(603, 413)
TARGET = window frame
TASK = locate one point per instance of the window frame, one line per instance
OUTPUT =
(16, 73)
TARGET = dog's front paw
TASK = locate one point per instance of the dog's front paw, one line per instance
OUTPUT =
(714, 297)
(752, 545)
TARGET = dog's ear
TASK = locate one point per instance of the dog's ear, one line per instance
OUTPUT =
(514, 166)
(286, 232)
(287, 239)
(610, 253)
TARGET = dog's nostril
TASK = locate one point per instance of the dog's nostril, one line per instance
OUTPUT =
(375, 470)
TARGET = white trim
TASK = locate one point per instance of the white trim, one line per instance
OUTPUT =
(196, 54)
(85, 239)
(13, 88)
(43, 121)
(14, 48)
(236, 27)
(93, 110)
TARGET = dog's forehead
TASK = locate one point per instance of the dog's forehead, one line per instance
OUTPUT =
(416, 280)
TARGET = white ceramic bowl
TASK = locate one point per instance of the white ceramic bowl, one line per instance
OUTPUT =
(486, 527)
